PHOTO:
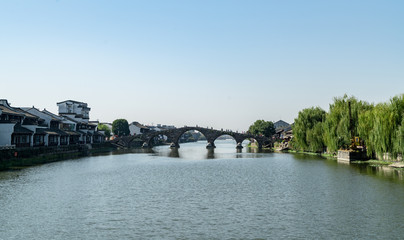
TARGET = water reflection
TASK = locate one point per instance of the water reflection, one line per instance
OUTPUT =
(174, 153)
(210, 154)
(198, 150)
(384, 172)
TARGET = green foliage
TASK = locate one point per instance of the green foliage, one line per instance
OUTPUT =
(366, 120)
(105, 128)
(120, 127)
(399, 143)
(337, 125)
(383, 130)
(308, 130)
(261, 127)
(380, 127)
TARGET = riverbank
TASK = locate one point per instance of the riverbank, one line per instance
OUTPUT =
(370, 162)
(14, 159)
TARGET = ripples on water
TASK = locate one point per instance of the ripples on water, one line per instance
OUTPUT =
(193, 193)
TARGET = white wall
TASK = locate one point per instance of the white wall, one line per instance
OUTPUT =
(62, 107)
(134, 129)
(6, 129)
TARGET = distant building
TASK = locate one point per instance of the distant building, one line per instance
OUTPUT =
(136, 128)
(283, 130)
(74, 110)
(165, 127)
(8, 119)
(281, 125)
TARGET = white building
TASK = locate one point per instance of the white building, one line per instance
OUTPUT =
(136, 128)
(8, 119)
(30, 127)
(75, 110)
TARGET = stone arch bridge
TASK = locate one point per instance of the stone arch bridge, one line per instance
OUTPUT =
(174, 135)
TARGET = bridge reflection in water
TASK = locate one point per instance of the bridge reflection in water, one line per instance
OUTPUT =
(195, 151)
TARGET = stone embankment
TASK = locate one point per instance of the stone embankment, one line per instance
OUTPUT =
(25, 157)
(397, 165)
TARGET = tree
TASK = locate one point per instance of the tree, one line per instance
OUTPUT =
(381, 127)
(261, 127)
(105, 129)
(399, 143)
(366, 121)
(308, 130)
(120, 127)
(337, 126)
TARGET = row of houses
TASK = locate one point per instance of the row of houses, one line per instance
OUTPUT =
(31, 127)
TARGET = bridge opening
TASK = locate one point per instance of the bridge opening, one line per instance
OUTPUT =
(192, 136)
(159, 140)
(250, 143)
(226, 139)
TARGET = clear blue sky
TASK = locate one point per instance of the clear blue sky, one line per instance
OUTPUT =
(216, 63)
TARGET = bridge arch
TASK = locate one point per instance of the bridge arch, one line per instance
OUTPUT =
(193, 135)
(251, 140)
(224, 134)
(157, 139)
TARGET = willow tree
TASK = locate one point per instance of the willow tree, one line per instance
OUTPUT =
(399, 143)
(308, 130)
(366, 121)
(381, 127)
(384, 129)
(397, 108)
(339, 125)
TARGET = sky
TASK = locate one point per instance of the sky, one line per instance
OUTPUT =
(221, 64)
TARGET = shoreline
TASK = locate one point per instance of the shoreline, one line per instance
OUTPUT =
(22, 158)
(370, 162)
(18, 163)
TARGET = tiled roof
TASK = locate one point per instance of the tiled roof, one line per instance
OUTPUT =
(19, 129)
(10, 111)
(72, 133)
(139, 125)
(26, 114)
(60, 132)
(54, 116)
(71, 101)
(74, 120)
(98, 134)
(46, 131)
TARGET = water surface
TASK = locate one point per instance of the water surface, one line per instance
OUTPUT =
(193, 193)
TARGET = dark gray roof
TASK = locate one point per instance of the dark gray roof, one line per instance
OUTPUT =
(137, 124)
(72, 133)
(46, 131)
(10, 111)
(53, 116)
(281, 124)
(71, 101)
(98, 134)
(22, 130)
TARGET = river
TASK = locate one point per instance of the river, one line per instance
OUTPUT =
(194, 193)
